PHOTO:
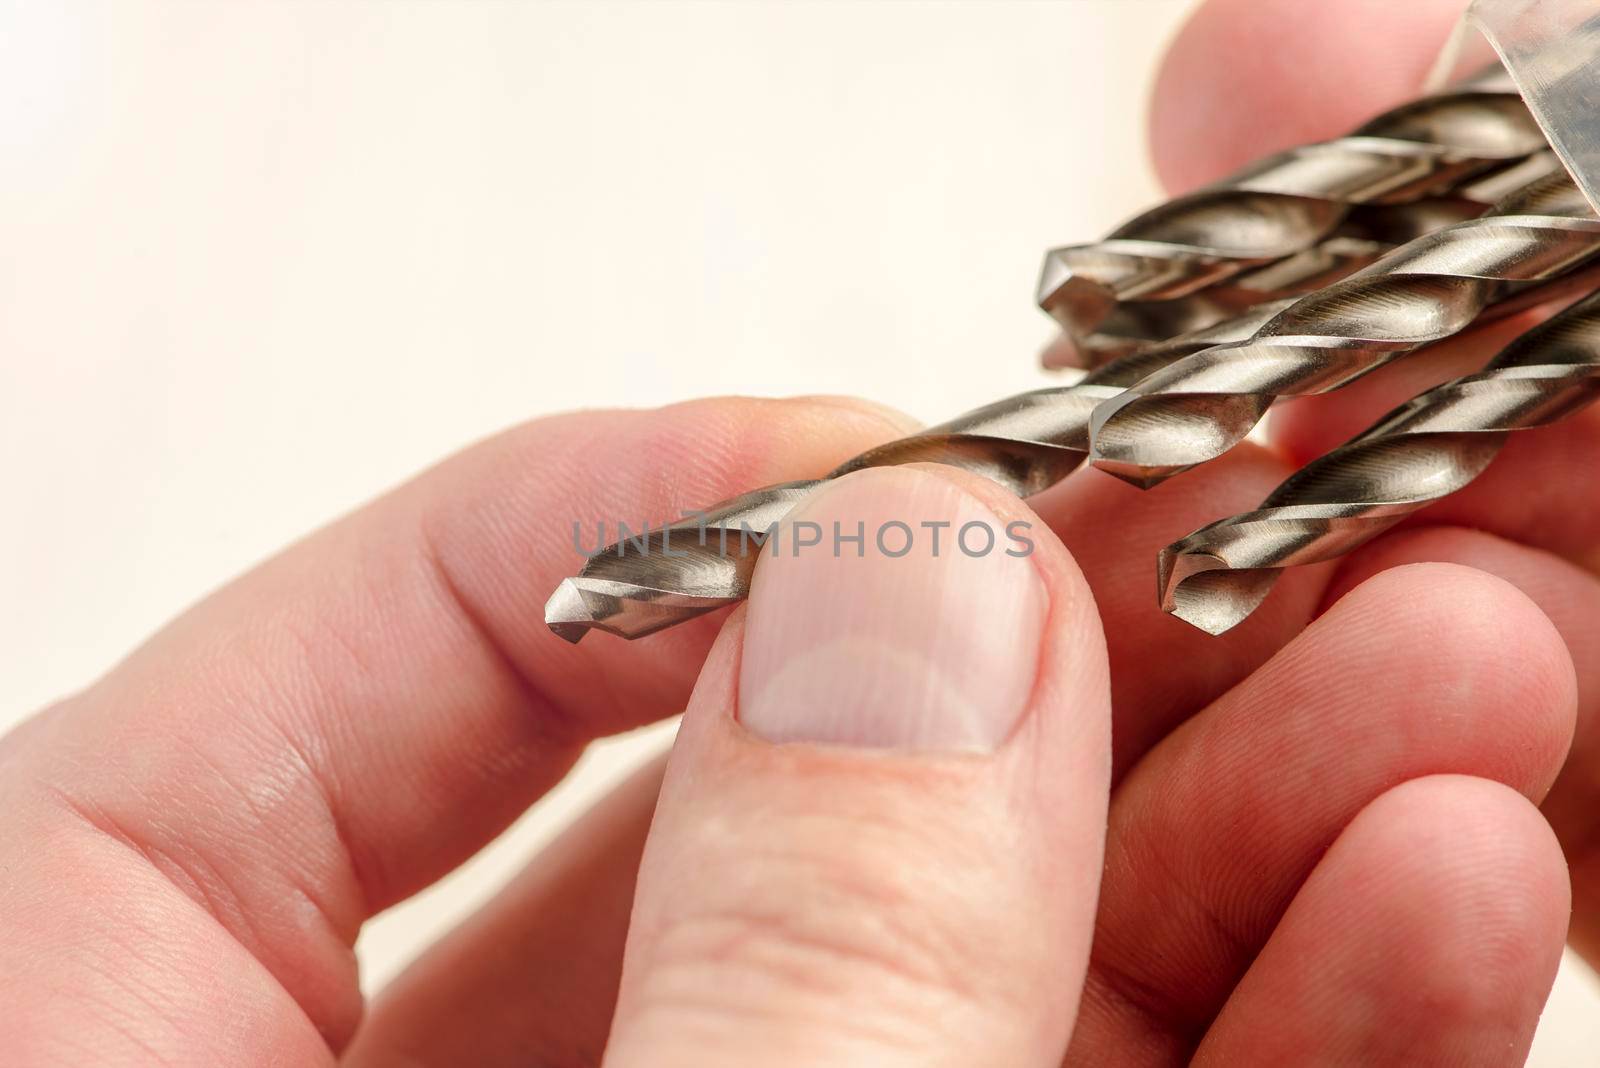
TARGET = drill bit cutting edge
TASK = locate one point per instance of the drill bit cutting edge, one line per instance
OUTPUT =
(1197, 408)
(640, 585)
(1109, 295)
(1426, 449)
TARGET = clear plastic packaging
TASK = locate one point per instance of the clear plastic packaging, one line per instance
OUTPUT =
(1551, 50)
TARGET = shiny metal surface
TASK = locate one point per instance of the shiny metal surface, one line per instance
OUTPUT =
(1107, 294)
(1368, 232)
(1197, 408)
(1026, 443)
(1427, 289)
(1426, 449)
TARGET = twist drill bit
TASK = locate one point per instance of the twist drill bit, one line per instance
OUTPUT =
(1198, 408)
(662, 577)
(1133, 325)
(1367, 233)
(1285, 203)
(1426, 449)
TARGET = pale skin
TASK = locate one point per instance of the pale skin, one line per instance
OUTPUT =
(1351, 831)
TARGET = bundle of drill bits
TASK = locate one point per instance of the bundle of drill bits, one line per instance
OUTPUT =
(1427, 290)
(1283, 225)
(1418, 178)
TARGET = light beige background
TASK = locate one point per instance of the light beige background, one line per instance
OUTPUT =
(263, 259)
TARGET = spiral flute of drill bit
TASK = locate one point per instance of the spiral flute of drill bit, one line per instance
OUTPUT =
(1428, 448)
(1199, 407)
(1282, 205)
(1367, 233)
(656, 579)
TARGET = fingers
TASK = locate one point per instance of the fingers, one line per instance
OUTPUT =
(1150, 702)
(1247, 77)
(1424, 670)
(1429, 934)
(1570, 597)
(1162, 669)
(531, 978)
(348, 722)
(880, 834)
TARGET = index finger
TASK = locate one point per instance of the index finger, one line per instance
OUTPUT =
(351, 720)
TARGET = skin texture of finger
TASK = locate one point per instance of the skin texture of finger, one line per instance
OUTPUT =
(104, 962)
(846, 904)
(1244, 78)
(1429, 935)
(531, 978)
(346, 723)
(1431, 669)
(1570, 597)
(1162, 669)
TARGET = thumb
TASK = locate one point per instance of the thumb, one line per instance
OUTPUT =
(879, 842)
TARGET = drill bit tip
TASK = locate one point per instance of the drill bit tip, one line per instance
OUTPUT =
(1137, 475)
(1204, 590)
(627, 609)
(1069, 297)
(567, 614)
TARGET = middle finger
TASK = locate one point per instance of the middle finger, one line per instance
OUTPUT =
(1426, 670)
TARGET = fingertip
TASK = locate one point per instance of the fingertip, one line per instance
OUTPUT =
(1451, 821)
(1482, 863)
(888, 568)
(860, 409)
(893, 753)
(1483, 647)
(1247, 77)
(1072, 604)
(1430, 932)
(1480, 613)
(752, 441)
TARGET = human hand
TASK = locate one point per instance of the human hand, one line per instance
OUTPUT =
(1317, 861)
(1320, 859)
(1533, 518)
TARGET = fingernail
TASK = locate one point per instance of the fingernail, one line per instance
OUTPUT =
(895, 611)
